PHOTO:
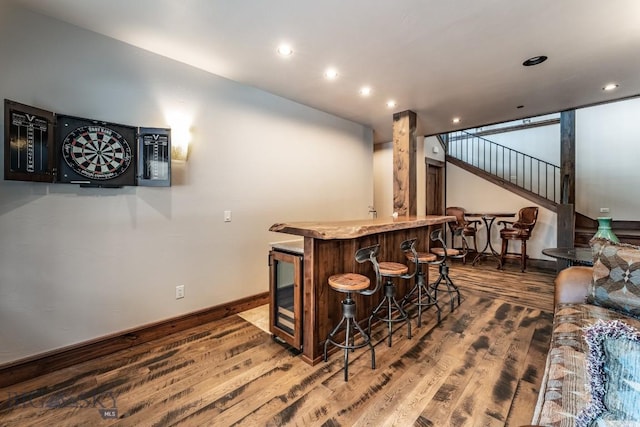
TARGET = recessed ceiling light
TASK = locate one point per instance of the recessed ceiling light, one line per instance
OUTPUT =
(365, 91)
(285, 50)
(610, 86)
(331, 74)
(534, 60)
(456, 120)
(391, 103)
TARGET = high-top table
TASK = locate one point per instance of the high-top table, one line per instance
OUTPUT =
(329, 248)
(488, 218)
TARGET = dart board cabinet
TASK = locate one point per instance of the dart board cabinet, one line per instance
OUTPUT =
(43, 146)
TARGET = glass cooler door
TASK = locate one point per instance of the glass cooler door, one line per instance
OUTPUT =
(285, 314)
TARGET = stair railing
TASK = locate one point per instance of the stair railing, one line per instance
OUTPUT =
(525, 171)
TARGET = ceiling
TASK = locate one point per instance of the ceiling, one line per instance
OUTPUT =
(440, 59)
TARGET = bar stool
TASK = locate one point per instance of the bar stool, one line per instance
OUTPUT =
(349, 283)
(389, 305)
(520, 229)
(422, 295)
(443, 253)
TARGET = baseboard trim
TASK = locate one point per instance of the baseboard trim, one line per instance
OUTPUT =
(34, 366)
(534, 262)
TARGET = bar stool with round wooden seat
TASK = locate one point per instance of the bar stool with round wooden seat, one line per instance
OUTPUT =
(349, 283)
(421, 295)
(442, 252)
(390, 310)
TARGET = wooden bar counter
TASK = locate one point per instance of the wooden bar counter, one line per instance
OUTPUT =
(329, 248)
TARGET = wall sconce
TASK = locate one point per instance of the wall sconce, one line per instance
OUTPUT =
(180, 137)
(179, 149)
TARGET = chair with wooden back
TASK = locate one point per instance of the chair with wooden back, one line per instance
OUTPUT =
(469, 228)
(520, 229)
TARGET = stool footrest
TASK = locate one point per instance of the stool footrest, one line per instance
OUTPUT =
(351, 326)
(422, 296)
(392, 311)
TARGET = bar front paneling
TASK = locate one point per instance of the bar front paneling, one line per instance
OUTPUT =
(329, 248)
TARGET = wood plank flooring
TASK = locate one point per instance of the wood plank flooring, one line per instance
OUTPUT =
(482, 366)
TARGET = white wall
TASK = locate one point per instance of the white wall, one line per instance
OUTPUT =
(383, 179)
(433, 149)
(541, 142)
(607, 153)
(76, 264)
(383, 175)
(606, 156)
(479, 195)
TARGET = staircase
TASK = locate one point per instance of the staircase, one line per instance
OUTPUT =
(532, 178)
(529, 177)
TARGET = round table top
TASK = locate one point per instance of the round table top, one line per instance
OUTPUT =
(491, 214)
(582, 256)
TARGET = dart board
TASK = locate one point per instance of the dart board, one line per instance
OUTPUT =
(96, 152)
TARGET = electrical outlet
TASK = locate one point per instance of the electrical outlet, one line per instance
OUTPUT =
(179, 291)
(227, 216)
(604, 210)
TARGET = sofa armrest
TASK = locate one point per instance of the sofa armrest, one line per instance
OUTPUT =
(572, 284)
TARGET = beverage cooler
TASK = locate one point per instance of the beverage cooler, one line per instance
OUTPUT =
(285, 291)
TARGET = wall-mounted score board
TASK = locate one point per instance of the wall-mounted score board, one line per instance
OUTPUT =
(154, 164)
(28, 138)
(43, 146)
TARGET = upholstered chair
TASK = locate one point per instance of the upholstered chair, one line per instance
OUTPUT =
(520, 229)
(469, 228)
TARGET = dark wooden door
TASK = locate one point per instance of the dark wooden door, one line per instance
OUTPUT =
(435, 187)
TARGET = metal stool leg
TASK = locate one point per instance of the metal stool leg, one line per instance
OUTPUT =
(390, 304)
(373, 352)
(350, 325)
(451, 287)
(424, 293)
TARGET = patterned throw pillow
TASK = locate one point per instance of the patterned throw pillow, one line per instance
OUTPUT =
(613, 365)
(616, 276)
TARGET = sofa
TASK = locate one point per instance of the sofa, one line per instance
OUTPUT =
(596, 308)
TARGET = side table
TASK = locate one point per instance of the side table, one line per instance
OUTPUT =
(575, 256)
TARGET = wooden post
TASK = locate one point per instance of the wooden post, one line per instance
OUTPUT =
(404, 163)
(568, 157)
(566, 209)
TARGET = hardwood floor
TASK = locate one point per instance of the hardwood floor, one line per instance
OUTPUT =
(481, 366)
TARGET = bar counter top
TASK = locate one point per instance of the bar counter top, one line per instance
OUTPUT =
(328, 230)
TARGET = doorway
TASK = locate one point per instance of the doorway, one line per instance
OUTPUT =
(435, 187)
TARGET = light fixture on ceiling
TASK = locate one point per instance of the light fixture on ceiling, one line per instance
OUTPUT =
(285, 50)
(610, 87)
(455, 120)
(391, 103)
(331, 74)
(534, 60)
(365, 91)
